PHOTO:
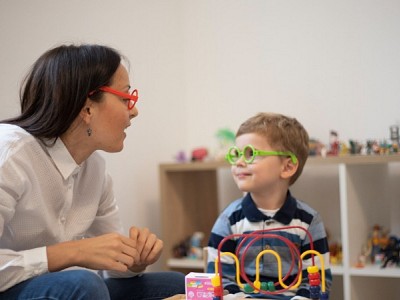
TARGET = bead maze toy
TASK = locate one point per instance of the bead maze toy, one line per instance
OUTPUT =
(316, 280)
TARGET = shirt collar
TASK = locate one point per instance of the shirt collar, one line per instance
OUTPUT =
(284, 215)
(63, 159)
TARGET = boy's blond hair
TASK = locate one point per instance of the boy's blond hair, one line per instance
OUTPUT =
(283, 133)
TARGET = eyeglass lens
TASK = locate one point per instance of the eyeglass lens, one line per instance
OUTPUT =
(248, 153)
(131, 102)
(235, 154)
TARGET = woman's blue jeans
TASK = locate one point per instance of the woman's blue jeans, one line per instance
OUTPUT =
(82, 284)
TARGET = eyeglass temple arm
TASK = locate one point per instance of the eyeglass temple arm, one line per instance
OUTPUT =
(280, 153)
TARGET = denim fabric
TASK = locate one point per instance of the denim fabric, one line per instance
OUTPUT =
(86, 285)
(149, 286)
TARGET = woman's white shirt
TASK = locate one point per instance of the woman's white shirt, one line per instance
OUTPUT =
(46, 198)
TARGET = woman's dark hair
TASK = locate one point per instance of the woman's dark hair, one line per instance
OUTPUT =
(57, 86)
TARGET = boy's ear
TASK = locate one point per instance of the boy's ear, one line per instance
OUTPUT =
(289, 168)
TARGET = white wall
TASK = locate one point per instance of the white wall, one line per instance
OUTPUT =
(201, 65)
(331, 64)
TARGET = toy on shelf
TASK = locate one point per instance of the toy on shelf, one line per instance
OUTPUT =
(316, 148)
(335, 249)
(394, 134)
(334, 145)
(191, 247)
(355, 147)
(199, 154)
(196, 250)
(316, 275)
(362, 258)
(376, 242)
(180, 157)
(391, 252)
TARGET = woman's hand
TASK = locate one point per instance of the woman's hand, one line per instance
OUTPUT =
(106, 252)
(148, 245)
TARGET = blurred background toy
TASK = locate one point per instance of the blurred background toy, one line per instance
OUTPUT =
(196, 249)
(391, 252)
(394, 134)
(335, 251)
(355, 147)
(181, 249)
(226, 139)
(181, 157)
(333, 143)
(362, 258)
(199, 154)
(377, 241)
(190, 247)
(316, 148)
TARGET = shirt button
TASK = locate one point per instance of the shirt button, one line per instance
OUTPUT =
(62, 219)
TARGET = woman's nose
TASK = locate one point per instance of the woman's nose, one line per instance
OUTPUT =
(133, 113)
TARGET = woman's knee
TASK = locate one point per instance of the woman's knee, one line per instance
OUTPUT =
(83, 284)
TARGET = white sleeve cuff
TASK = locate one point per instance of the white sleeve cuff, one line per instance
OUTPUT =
(35, 261)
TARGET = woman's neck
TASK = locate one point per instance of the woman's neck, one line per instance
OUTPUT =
(77, 143)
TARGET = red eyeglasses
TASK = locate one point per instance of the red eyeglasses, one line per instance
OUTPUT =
(131, 98)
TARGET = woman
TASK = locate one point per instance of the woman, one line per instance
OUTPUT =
(57, 208)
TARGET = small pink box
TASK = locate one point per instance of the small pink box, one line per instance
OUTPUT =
(198, 286)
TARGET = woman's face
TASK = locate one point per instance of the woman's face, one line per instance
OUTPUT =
(111, 116)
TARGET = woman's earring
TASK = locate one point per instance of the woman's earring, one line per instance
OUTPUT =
(89, 131)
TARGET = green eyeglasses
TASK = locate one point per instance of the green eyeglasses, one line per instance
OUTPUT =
(249, 153)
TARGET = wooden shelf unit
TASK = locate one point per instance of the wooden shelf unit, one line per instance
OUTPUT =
(352, 193)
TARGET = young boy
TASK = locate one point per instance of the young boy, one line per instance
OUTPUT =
(270, 153)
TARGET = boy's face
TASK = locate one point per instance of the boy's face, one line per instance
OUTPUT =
(264, 175)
